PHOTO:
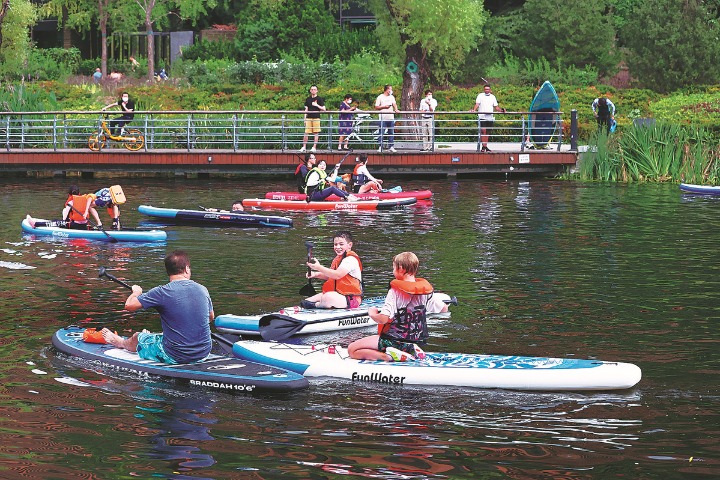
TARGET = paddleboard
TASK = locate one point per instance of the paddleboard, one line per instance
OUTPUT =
(451, 369)
(314, 320)
(544, 125)
(328, 205)
(221, 218)
(701, 189)
(119, 235)
(417, 194)
(218, 372)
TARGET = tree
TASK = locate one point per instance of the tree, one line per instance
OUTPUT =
(578, 33)
(672, 43)
(431, 37)
(15, 21)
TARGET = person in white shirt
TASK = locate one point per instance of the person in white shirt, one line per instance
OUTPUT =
(385, 103)
(485, 104)
(427, 106)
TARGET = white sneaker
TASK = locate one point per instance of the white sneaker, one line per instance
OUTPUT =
(312, 149)
(419, 354)
(380, 150)
(302, 149)
(398, 355)
(392, 149)
(352, 198)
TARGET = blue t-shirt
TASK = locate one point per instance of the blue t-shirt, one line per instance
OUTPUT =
(184, 307)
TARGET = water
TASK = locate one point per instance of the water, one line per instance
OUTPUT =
(545, 268)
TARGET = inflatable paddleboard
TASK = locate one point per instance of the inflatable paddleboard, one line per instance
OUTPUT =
(119, 235)
(221, 218)
(544, 125)
(327, 205)
(701, 189)
(307, 321)
(218, 372)
(417, 194)
(453, 369)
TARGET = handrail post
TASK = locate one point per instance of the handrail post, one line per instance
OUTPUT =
(234, 132)
(573, 130)
(145, 146)
(54, 136)
(522, 138)
(283, 133)
(479, 134)
(560, 134)
(329, 132)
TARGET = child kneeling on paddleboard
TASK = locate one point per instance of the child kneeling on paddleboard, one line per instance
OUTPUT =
(343, 279)
(402, 320)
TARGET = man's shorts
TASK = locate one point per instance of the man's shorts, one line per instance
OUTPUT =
(150, 348)
(312, 125)
(487, 123)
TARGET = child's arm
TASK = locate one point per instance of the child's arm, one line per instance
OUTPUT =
(378, 317)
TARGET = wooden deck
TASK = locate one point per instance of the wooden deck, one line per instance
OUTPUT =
(446, 160)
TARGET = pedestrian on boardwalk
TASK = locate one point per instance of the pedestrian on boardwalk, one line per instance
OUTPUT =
(427, 107)
(385, 103)
(313, 106)
(485, 104)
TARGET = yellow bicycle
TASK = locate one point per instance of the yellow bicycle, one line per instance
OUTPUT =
(132, 139)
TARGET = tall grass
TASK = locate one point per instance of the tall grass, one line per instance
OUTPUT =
(661, 153)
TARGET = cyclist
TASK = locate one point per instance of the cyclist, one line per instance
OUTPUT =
(127, 106)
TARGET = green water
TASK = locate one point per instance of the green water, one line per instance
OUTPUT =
(542, 268)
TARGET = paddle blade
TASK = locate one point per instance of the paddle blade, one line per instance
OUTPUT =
(307, 290)
(277, 327)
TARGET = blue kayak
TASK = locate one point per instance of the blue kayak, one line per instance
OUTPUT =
(217, 218)
(700, 189)
(107, 236)
(217, 372)
(543, 124)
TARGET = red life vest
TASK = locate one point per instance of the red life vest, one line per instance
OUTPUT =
(347, 285)
(80, 207)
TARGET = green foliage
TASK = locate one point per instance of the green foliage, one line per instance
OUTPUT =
(53, 63)
(664, 152)
(536, 71)
(15, 46)
(700, 109)
(578, 33)
(27, 98)
(672, 43)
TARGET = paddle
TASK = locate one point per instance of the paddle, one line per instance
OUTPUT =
(308, 290)
(222, 341)
(276, 326)
(112, 239)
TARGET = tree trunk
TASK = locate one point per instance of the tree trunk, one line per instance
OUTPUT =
(414, 82)
(150, 41)
(103, 19)
(4, 7)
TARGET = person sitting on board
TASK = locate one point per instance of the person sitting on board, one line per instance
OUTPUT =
(604, 110)
(302, 170)
(104, 198)
(363, 181)
(402, 319)
(343, 279)
(318, 188)
(186, 312)
(78, 208)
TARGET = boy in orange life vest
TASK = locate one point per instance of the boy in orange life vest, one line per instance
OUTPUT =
(78, 208)
(401, 320)
(343, 279)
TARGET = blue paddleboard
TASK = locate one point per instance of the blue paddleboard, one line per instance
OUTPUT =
(543, 125)
(217, 372)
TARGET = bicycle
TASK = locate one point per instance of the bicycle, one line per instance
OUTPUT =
(132, 139)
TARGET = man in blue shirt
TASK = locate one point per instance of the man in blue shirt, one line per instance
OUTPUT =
(185, 314)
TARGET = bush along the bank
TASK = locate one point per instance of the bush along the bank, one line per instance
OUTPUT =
(659, 153)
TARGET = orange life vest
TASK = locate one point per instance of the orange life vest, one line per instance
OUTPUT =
(408, 326)
(81, 204)
(347, 285)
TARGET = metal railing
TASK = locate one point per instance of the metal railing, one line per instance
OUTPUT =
(278, 130)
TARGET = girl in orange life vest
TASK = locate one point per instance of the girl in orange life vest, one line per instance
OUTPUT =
(343, 279)
(401, 320)
(363, 181)
(78, 208)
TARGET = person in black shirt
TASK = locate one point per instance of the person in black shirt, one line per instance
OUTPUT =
(127, 106)
(313, 106)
